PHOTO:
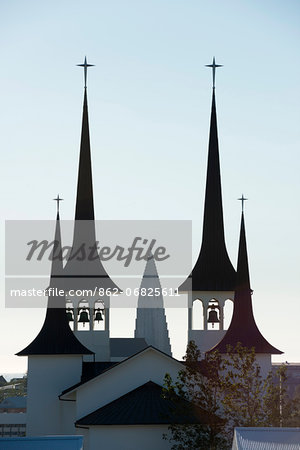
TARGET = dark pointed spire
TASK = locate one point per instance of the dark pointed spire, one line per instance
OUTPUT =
(85, 200)
(56, 336)
(243, 327)
(56, 254)
(213, 270)
(77, 267)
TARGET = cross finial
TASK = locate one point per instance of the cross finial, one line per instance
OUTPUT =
(57, 200)
(85, 65)
(242, 199)
(213, 66)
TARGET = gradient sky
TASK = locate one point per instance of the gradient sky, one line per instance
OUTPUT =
(149, 105)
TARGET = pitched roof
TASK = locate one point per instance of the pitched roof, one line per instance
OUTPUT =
(243, 327)
(266, 438)
(91, 369)
(213, 270)
(116, 364)
(142, 406)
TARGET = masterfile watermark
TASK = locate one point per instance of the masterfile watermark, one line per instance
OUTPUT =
(84, 252)
(109, 256)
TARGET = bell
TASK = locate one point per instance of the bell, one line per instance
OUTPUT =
(213, 316)
(70, 315)
(83, 317)
(98, 315)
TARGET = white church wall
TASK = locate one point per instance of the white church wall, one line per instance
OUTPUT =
(206, 339)
(48, 376)
(96, 341)
(148, 365)
(67, 416)
(265, 363)
(128, 437)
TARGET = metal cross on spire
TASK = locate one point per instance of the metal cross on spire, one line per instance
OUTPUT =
(213, 66)
(57, 200)
(85, 65)
(242, 199)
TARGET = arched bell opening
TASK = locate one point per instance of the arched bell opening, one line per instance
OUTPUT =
(70, 313)
(83, 316)
(228, 311)
(213, 315)
(98, 316)
(197, 315)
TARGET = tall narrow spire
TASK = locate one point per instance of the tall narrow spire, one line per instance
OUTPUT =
(243, 327)
(85, 271)
(55, 337)
(85, 200)
(151, 322)
(213, 270)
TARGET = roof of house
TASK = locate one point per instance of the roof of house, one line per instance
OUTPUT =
(14, 402)
(266, 438)
(143, 406)
(106, 366)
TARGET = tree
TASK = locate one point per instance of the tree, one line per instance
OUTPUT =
(231, 388)
(197, 384)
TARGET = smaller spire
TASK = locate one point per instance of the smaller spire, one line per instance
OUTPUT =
(56, 336)
(85, 65)
(242, 199)
(243, 327)
(214, 66)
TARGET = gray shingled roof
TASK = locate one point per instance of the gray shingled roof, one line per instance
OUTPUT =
(142, 406)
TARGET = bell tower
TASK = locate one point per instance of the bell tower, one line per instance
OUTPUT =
(212, 280)
(87, 282)
(54, 359)
(243, 327)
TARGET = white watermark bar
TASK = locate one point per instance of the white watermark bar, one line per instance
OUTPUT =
(116, 259)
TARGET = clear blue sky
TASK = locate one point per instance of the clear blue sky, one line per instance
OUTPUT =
(149, 104)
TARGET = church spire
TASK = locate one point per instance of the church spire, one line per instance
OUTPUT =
(151, 322)
(85, 200)
(85, 271)
(213, 270)
(243, 327)
(56, 336)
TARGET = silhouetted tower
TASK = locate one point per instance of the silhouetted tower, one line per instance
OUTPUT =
(212, 280)
(88, 274)
(243, 327)
(54, 359)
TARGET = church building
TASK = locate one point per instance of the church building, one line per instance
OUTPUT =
(81, 380)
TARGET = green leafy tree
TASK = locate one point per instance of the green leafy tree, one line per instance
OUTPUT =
(230, 388)
(197, 384)
(243, 388)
